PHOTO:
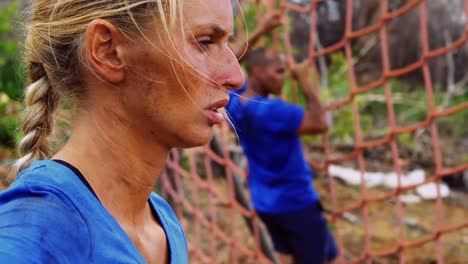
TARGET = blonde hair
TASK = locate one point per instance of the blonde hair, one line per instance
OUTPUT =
(53, 55)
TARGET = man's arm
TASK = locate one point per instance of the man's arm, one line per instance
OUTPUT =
(314, 121)
(271, 21)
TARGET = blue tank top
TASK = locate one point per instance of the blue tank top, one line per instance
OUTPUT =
(280, 179)
(50, 215)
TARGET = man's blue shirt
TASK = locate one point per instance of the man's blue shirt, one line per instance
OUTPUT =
(280, 180)
(48, 215)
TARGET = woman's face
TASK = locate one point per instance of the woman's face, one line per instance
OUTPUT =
(176, 102)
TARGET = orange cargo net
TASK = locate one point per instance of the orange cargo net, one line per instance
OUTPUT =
(221, 229)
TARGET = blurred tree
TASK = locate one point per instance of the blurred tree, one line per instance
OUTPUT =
(446, 22)
(11, 72)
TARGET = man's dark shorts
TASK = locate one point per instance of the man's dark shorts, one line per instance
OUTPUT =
(302, 233)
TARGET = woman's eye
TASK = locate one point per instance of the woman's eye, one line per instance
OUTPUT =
(205, 42)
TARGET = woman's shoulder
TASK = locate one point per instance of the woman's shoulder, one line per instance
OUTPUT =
(43, 172)
(44, 178)
(43, 190)
(37, 229)
(40, 188)
(36, 217)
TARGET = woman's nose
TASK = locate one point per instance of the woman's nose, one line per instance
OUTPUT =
(234, 76)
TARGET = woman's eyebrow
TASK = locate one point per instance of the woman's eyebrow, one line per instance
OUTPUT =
(213, 29)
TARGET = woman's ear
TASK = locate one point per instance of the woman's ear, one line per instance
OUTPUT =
(105, 51)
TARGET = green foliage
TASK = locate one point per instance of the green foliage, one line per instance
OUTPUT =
(407, 140)
(410, 106)
(9, 135)
(185, 162)
(11, 73)
(11, 76)
(455, 125)
(338, 87)
(250, 18)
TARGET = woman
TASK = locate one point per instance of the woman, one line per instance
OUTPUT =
(146, 76)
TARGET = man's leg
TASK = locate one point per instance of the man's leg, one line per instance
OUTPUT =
(278, 236)
(331, 248)
(307, 231)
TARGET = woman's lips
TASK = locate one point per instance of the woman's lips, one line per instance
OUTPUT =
(214, 115)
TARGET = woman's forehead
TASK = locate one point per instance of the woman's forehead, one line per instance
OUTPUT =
(210, 14)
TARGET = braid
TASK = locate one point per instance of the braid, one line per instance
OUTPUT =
(41, 101)
(54, 53)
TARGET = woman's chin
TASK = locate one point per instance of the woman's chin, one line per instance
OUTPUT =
(196, 139)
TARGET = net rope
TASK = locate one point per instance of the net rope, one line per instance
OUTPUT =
(201, 183)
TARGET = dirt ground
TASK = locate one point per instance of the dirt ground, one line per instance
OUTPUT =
(382, 222)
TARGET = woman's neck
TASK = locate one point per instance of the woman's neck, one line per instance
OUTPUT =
(120, 166)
